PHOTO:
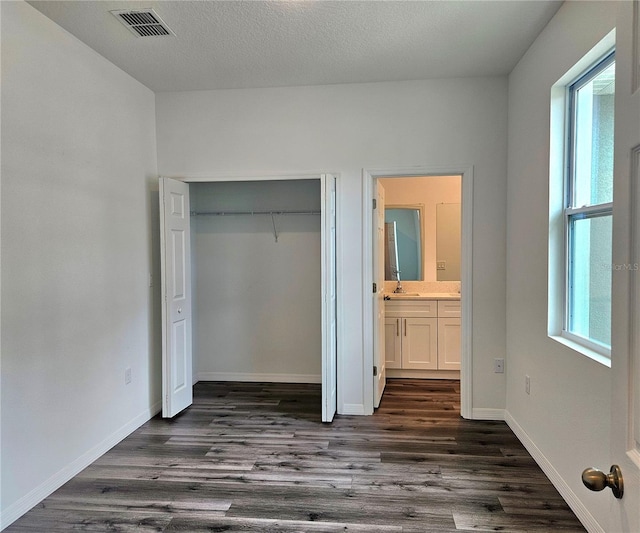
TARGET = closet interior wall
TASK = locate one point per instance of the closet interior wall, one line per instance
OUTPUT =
(256, 281)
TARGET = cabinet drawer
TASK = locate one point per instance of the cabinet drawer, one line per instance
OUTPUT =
(448, 308)
(410, 309)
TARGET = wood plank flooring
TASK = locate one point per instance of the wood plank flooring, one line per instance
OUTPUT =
(255, 457)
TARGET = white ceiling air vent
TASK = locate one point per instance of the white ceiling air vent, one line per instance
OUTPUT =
(143, 22)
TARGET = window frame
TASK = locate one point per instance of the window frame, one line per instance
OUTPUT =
(571, 212)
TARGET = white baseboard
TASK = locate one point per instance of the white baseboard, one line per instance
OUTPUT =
(28, 501)
(267, 378)
(583, 514)
(487, 414)
(352, 409)
(422, 374)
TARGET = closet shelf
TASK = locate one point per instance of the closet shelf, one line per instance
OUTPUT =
(230, 213)
(272, 214)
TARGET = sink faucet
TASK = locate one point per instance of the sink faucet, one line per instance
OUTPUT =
(398, 288)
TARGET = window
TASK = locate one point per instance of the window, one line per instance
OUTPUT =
(588, 208)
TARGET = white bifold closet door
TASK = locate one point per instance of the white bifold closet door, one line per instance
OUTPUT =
(175, 245)
(177, 380)
(329, 299)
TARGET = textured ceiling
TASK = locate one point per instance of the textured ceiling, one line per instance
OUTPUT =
(239, 44)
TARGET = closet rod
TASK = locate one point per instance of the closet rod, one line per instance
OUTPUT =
(229, 213)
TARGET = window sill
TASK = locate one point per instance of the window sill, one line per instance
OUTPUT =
(582, 349)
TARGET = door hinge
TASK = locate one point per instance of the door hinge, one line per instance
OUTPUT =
(375, 288)
(375, 203)
(375, 370)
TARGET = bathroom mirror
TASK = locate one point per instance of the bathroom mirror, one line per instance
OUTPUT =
(404, 242)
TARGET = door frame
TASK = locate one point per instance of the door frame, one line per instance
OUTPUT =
(321, 177)
(369, 177)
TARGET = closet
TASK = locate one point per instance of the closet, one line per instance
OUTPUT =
(256, 271)
(261, 262)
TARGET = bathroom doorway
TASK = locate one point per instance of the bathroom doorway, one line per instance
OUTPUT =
(421, 198)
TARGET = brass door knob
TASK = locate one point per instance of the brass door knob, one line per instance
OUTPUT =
(596, 480)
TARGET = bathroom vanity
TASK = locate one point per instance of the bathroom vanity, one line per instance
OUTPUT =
(422, 335)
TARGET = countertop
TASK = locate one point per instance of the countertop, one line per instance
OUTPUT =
(422, 296)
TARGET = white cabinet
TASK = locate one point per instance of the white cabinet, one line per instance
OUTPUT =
(422, 334)
(448, 308)
(420, 344)
(392, 342)
(411, 343)
(448, 343)
(449, 337)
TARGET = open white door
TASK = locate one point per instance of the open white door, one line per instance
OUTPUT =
(379, 368)
(329, 305)
(175, 250)
(625, 355)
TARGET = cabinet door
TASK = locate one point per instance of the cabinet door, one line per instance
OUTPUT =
(420, 343)
(448, 344)
(392, 342)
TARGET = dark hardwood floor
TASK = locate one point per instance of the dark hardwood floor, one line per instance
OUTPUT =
(256, 457)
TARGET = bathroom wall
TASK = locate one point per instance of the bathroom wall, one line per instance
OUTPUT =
(448, 241)
(428, 191)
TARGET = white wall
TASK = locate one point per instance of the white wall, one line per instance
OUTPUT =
(429, 191)
(448, 240)
(257, 302)
(568, 411)
(79, 238)
(345, 128)
(78, 159)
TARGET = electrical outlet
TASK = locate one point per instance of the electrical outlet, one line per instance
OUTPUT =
(127, 376)
(527, 384)
(441, 265)
(498, 366)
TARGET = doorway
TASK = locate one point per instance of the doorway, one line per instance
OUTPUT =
(372, 300)
(249, 284)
